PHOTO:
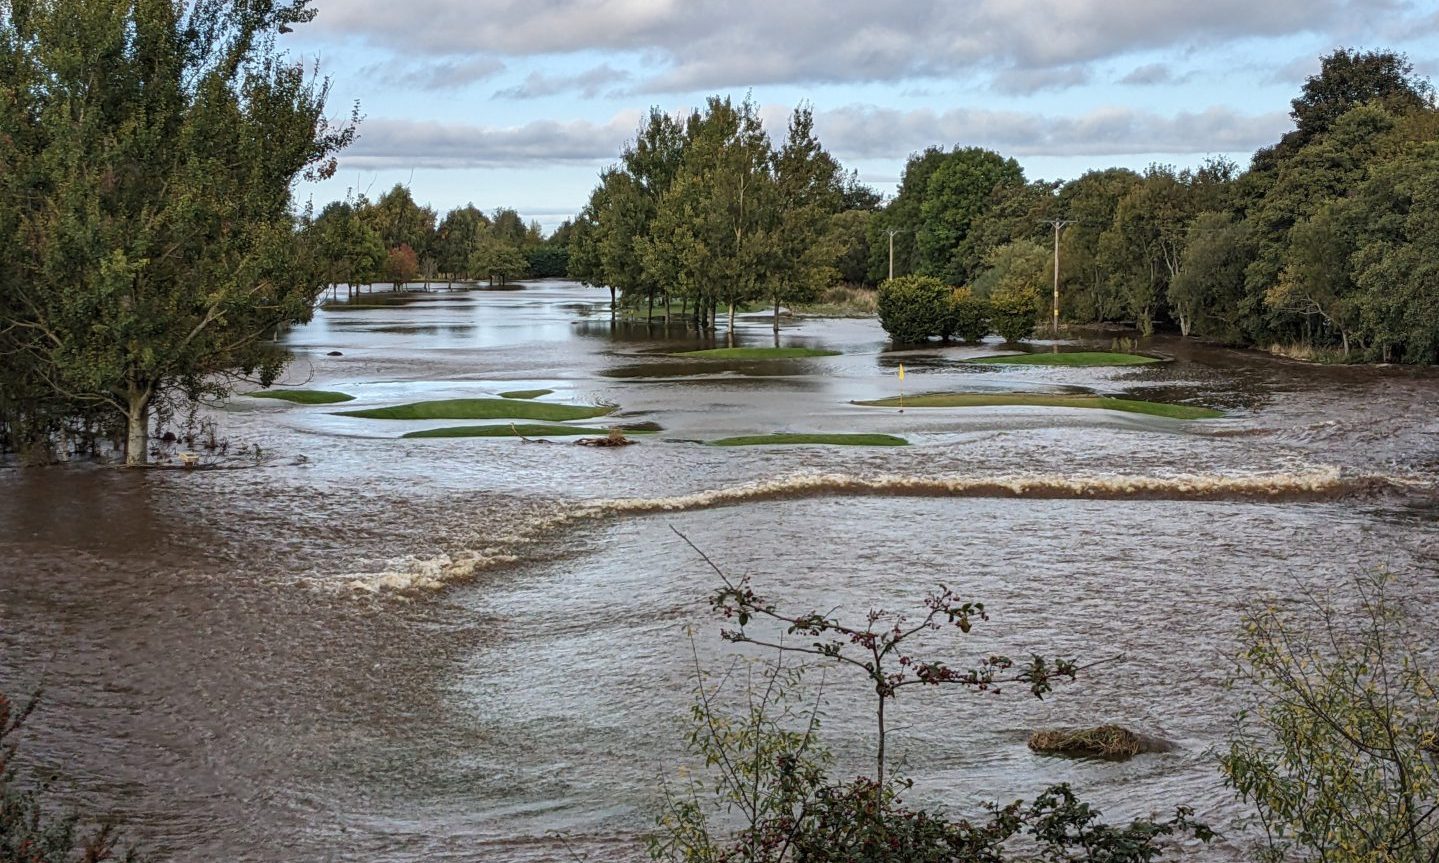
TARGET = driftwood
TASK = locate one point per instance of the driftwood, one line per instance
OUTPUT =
(1106, 741)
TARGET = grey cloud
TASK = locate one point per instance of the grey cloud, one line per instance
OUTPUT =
(1152, 73)
(446, 73)
(1026, 81)
(873, 132)
(389, 143)
(589, 83)
(699, 44)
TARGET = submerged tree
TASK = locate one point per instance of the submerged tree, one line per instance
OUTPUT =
(150, 244)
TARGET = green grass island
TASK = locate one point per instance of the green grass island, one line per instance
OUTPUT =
(829, 439)
(525, 394)
(1069, 358)
(1110, 403)
(482, 409)
(303, 397)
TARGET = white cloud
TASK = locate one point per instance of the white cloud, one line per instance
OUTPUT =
(390, 143)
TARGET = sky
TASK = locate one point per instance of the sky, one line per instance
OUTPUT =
(521, 103)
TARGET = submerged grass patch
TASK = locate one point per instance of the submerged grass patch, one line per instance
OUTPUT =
(482, 409)
(975, 400)
(835, 439)
(1070, 358)
(303, 397)
(516, 430)
(525, 394)
(757, 353)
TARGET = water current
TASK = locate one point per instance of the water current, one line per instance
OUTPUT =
(361, 647)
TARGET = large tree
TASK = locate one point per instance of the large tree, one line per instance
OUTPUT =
(151, 149)
(809, 191)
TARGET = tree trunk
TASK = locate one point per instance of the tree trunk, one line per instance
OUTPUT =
(776, 320)
(614, 303)
(731, 315)
(137, 432)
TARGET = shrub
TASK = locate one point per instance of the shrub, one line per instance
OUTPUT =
(1013, 313)
(913, 308)
(969, 315)
(1339, 749)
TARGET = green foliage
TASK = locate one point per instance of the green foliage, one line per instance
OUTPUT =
(849, 239)
(401, 265)
(969, 315)
(1337, 749)
(498, 261)
(959, 191)
(481, 409)
(913, 308)
(816, 438)
(148, 242)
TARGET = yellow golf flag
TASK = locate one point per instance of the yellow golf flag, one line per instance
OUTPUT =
(901, 371)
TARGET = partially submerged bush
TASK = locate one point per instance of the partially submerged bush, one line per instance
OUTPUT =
(913, 308)
(969, 315)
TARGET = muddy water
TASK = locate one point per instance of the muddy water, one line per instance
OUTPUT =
(366, 648)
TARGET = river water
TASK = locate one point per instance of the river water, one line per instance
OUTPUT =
(359, 647)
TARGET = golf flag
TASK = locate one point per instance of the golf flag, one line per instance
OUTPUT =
(901, 371)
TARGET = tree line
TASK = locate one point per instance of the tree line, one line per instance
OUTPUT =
(1326, 244)
(394, 239)
(1323, 246)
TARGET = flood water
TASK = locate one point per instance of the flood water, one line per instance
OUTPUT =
(361, 647)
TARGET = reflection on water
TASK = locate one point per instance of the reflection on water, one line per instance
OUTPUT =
(450, 649)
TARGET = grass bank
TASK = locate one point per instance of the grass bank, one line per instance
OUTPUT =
(525, 394)
(482, 409)
(1071, 358)
(842, 301)
(516, 430)
(756, 353)
(977, 400)
(303, 397)
(834, 439)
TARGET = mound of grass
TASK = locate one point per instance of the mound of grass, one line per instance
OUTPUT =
(1106, 741)
(1071, 358)
(525, 394)
(482, 409)
(757, 353)
(303, 397)
(835, 439)
(975, 400)
(515, 430)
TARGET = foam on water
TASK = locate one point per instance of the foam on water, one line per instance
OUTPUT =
(1324, 483)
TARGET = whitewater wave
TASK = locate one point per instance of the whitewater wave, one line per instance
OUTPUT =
(1320, 484)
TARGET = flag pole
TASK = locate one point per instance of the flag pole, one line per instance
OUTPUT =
(901, 387)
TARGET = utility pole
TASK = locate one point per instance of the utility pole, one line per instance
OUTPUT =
(891, 232)
(1058, 225)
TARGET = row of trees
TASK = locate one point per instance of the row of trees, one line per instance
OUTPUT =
(710, 213)
(1327, 241)
(397, 240)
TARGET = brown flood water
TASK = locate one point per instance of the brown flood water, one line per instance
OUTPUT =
(367, 648)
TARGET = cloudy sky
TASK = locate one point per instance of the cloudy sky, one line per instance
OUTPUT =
(521, 102)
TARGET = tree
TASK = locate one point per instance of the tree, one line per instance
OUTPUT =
(457, 237)
(958, 192)
(1090, 203)
(807, 194)
(1208, 291)
(710, 234)
(849, 240)
(1337, 746)
(401, 265)
(902, 216)
(150, 247)
(1012, 283)
(349, 251)
(499, 261)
